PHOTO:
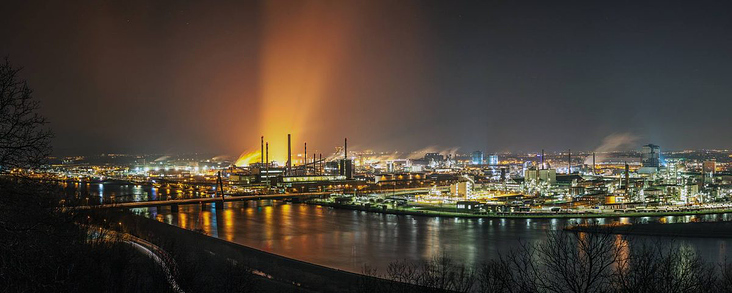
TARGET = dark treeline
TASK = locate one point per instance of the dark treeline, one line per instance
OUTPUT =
(597, 262)
(44, 250)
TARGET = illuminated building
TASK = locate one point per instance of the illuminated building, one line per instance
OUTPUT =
(541, 175)
(651, 156)
(463, 188)
(493, 160)
(469, 205)
(345, 166)
(312, 178)
(317, 183)
(477, 158)
(434, 156)
(650, 159)
(708, 169)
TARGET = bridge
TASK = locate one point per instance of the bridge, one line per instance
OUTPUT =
(174, 203)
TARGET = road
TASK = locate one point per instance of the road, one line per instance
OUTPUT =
(158, 255)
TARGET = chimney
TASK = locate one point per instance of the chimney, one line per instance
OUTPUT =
(542, 160)
(305, 159)
(569, 161)
(261, 153)
(345, 149)
(321, 163)
(289, 154)
(594, 167)
(627, 177)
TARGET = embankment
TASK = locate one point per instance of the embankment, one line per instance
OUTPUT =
(701, 229)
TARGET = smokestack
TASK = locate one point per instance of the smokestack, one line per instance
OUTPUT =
(267, 154)
(703, 177)
(594, 168)
(267, 158)
(305, 158)
(289, 154)
(627, 177)
(321, 163)
(345, 149)
(542, 160)
(569, 161)
(261, 152)
(314, 171)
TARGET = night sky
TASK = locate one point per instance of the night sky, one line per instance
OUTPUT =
(191, 76)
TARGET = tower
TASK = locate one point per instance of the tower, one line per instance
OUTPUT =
(305, 159)
(345, 166)
(594, 168)
(627, 177)
(267, 158)
(289, 155)
(651, 156)
(477, 158)
(541, 166)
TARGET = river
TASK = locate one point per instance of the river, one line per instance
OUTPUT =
(348, 239)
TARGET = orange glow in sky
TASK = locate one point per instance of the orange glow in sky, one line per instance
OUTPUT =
(303, 44)
(248, 158)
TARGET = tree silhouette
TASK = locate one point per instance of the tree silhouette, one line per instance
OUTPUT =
(25, 141)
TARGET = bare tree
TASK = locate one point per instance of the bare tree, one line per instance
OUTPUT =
(662, 267)
(25, 141)
(564, 262)
(439, 274)
(724, 283)
(578, 262)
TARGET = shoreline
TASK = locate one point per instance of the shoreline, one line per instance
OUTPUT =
(693, 230)
(431, 213)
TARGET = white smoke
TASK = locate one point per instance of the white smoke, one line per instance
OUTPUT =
(612, 143)
(418, 154)
(160, 159)
(383, 157)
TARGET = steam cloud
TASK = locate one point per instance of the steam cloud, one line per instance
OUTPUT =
(611, 143)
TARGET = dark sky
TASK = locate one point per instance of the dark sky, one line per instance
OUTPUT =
(193, 76)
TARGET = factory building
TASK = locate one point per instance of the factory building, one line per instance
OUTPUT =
(541, 175)
(650, 158)
(463, 188)
(477, 158)
(436, 157)
(493, 160)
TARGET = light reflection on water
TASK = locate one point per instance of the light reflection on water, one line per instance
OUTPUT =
(347, 239)
(96, 193)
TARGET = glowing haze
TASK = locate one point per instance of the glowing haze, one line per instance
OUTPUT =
(303, 43)
(193, 76)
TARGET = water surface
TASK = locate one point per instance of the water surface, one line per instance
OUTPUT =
(348, 239)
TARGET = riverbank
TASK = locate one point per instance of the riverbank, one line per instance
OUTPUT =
(700, 230)
(441, 212)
